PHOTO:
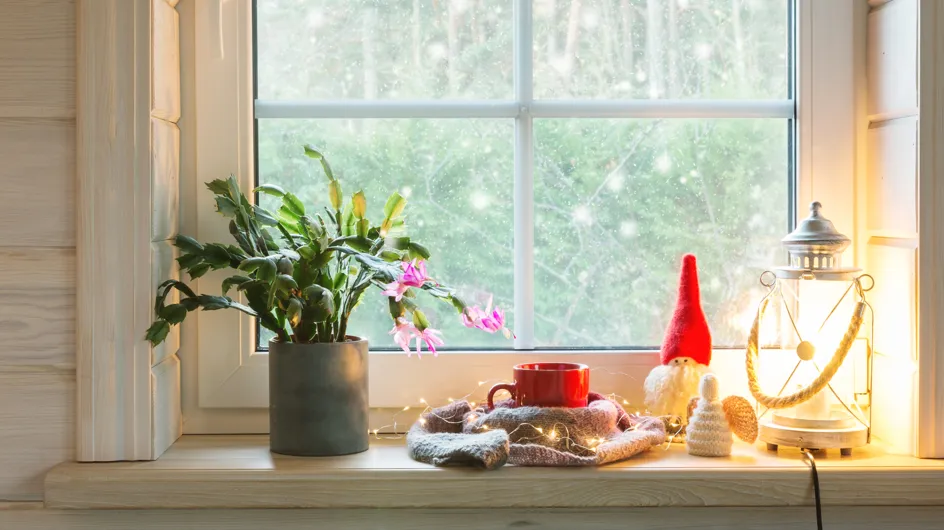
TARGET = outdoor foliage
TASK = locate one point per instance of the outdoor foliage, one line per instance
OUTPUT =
(617, 201)
(302, 273)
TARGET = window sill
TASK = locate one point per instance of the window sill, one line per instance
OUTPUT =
(239, 472)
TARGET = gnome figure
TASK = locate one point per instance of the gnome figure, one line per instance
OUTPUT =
(685, 355)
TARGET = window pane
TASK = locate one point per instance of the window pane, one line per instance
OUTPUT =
(720, 49)
(457, 177)
(331, 49)
(618, 202)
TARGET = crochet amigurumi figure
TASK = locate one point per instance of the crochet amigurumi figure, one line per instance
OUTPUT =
(711, 421)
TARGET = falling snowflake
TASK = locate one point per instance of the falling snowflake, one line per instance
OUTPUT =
(663, 164)
(629, 229)
(479, 200)
(582, 215)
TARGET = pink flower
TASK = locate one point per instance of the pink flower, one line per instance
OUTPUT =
(489, 320)
(414, 275)
(404, 331)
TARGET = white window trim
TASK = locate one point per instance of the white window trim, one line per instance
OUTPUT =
(232, 375)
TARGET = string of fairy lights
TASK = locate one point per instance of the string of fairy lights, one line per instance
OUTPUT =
(558, 434)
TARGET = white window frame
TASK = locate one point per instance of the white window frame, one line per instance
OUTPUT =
(233, 375)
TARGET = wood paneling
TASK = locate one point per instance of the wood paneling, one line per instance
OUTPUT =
(37, 306)
(165, 396)
(481, 518)
(164, 267)
(240, 472)
(930, 400)
(165, 59)
(892, 177)
(38, 175)
(36, 429)
(37, 58)
(165, 179)
(892, 58)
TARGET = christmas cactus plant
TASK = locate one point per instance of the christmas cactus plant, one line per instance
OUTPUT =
(303, 272)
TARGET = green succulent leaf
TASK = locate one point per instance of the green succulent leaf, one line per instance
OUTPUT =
(232, 281)
(226, 207)
(419, 320)
(394, 206)
(359, 204)
(157, 332)
(218, 186)
(285, 283)
(270, 189)
(189, 260)
(265, 217)
(251, 264)
(187, 244)
(417, 251)
(174, 313)
(216, 255)
(363, 226)
(335, 194)
(199, 270)
(294, 312)
(293, 204)
(266, 271)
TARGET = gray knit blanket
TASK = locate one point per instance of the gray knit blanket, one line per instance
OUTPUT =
(531, 436)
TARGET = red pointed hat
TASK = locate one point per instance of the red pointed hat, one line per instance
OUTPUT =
(687, 334)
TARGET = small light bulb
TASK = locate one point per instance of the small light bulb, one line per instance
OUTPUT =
(472, 404)
(552, 435)
(594, 449)
(406, 408)
(481, 383)
(422, 421)
(422, 401)
(375, 431)
(625, 402)
(485, 427)
(540, 430)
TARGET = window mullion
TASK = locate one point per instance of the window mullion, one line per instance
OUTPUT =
(524, 179)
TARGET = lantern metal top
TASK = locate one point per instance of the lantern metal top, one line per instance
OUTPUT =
(815, 250)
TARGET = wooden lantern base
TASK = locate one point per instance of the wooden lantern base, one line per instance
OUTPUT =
(841, 436)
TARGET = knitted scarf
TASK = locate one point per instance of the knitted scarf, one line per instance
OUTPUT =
(531, 436)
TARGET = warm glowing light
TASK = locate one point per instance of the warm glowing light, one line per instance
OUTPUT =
(472, 404)
(485, 427)
(553, 435)
(481, 383)
(422, 421)
(625, 402)
(406, 409)
(423, 401)
(540, 430)
(451, 400)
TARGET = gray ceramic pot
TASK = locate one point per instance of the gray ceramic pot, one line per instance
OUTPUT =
(318, 398)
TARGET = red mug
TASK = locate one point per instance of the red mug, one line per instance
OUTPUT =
(547, 385)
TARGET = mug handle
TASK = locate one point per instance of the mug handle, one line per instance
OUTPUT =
(510, 387)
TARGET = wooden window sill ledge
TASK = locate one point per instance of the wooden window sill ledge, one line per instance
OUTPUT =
(239, 472)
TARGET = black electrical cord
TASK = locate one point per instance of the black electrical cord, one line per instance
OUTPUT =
(808, 456)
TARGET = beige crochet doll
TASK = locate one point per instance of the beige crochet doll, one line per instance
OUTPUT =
(711, 421)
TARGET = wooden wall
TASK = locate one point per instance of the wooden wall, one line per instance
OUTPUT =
(37, 242)
(890, 212)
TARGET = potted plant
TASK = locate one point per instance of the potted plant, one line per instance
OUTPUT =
(301, 273)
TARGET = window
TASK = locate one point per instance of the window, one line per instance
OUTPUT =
(565, 182)
(558, 156)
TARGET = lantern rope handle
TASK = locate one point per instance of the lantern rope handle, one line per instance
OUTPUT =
(818, 384)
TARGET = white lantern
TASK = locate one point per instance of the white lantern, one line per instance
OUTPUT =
(823, 307)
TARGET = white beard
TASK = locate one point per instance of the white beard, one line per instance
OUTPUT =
(670, 387)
